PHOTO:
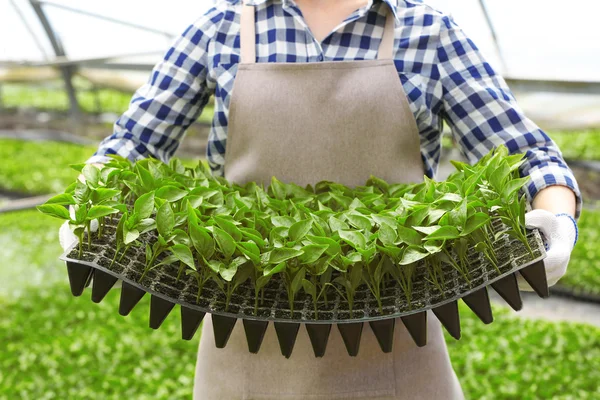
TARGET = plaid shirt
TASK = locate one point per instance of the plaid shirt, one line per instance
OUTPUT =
(442, 71)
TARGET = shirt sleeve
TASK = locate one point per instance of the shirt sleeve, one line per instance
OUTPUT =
(483, 113)
(169, 102)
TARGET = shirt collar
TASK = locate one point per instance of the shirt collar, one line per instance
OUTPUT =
(394, 5)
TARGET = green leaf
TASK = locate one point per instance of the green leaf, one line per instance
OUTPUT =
(297, 281)
(130, 235)
(384, 219)
(337, 224)
(413, 254)
(146, 225)
(243, 273)
(81, 193)
(458, 216)
(334, 247)
(100, 211)
(80, 214)
(171, 193)
(299, 229)
(183, 254)
(312, 253)
(101, 195)
(359, 222)
(428, 230)
(282, 254)
(253, 235)
(55, 211)
(165, 220)
(148, 254)
(284, 221)
(201, 240)
(387, 235)
(251, 251)
(278, 188)
(91, 173)
(273, 269)
(145, 176)
(224, 241)
(195, 201)
(354, 238)
(144, 206)
(216, 266)
(228, 226)
(513, 186)
(309, 288)
(119, 235)
(475, 222)
(228, 271)
(444, 233)
(356, 276)
(62, 199)
(408, 235)
(262, 281)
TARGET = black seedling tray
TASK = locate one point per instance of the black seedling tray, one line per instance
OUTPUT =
(166, 292)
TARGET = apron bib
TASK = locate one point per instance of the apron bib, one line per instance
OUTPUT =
(307, 122)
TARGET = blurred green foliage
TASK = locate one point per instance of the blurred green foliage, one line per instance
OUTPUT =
(525, 358)
(30, 251)
(54, 98)
(575, 145)
(42, 167)
(578, 145)
(55, 346)
(39, 167)
(583, 273)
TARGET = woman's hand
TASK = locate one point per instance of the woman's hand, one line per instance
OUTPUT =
(553, 216)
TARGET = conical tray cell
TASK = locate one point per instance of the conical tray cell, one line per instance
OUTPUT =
(319, 336)
(508, 289)
(255, 333)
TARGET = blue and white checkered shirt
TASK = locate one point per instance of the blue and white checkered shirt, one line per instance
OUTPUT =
(443, 73)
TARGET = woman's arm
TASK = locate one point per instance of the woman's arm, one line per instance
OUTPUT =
(173, 98)
(482, 113)
(557, 200)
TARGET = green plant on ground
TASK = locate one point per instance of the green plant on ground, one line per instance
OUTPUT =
(578, 145)
(54, 98)
(527, 359)
(36, 168)
(583, 273)
(329, 226)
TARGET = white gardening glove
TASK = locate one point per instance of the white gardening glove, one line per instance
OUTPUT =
(66, 237)
(560, 235)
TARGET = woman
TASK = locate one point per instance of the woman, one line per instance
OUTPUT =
(308, 90)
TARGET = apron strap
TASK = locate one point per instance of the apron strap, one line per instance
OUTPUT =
(386, 46)
(248, 35)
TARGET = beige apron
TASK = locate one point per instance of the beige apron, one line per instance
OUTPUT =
(303, 123)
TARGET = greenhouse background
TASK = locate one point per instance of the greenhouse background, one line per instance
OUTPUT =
(68, 69)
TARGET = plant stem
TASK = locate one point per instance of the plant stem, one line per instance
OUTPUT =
(89, 236)
(115, 257)
(181, 268)
(228, 299)
(255, 302)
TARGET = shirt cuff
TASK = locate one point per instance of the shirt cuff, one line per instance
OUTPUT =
(553, 175)
(97, 159)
